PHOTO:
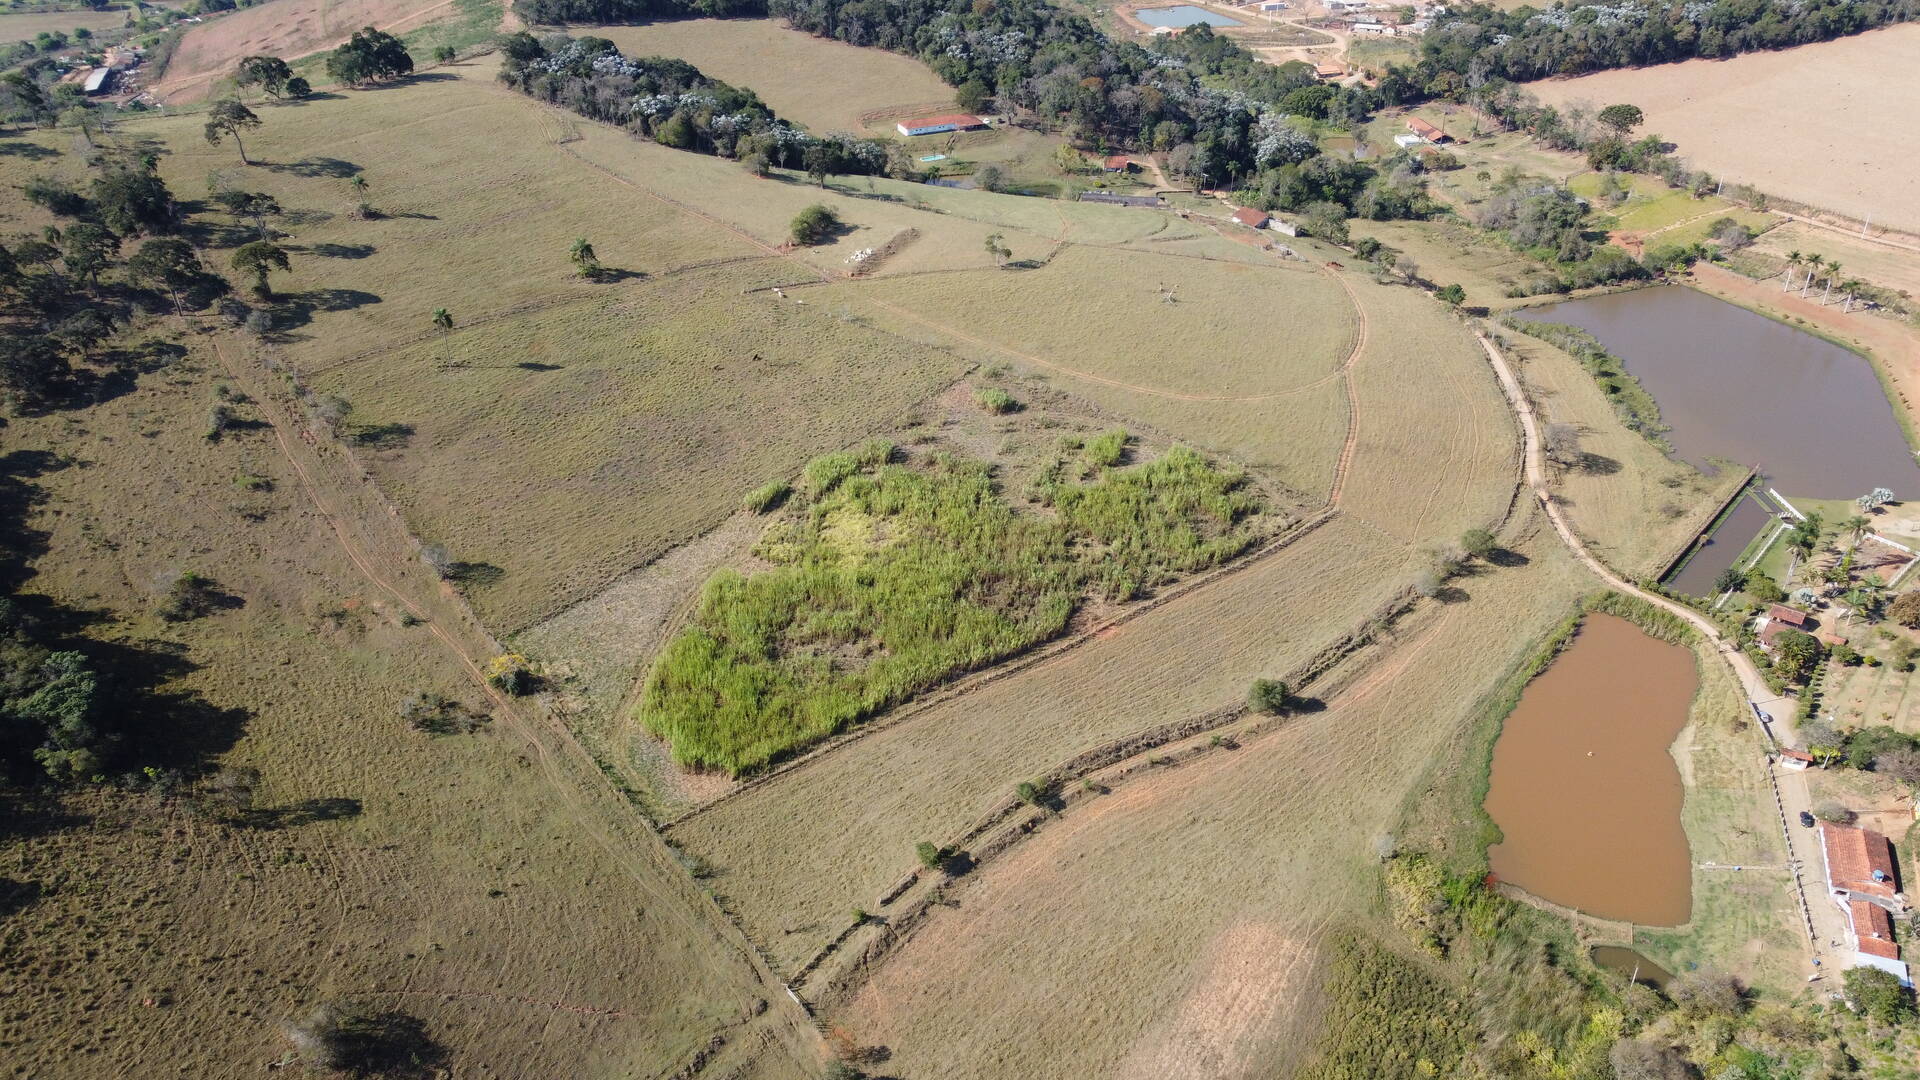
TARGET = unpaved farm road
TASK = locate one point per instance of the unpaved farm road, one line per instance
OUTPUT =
(369, 531)
(1822, 921)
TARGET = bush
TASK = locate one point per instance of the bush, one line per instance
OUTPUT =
(1833, 812)
(512, 674)
(1905, 608)
(931, 855)
(1029, 792)
(437, 715)
(995, 400)
(190, 596)
(360, 1041)
(767, 496)
(1477, 543)
(1268, 696)
(814, 224)
(1105, 450)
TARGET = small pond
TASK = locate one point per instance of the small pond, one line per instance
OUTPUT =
(1183, 15)
(1583, 787)
(1738, 386)
(1631, 965)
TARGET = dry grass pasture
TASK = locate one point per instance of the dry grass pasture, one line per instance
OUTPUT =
(1448, 252)
(1836, 134)
(25, 26)
(796, 853)
(1739, 920)
(537, 929)
(285, 28)
(574, 443)
(823, 84)
(1887, 267)
(1099, 922)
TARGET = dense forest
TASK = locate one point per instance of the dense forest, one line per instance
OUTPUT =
(1469, 46)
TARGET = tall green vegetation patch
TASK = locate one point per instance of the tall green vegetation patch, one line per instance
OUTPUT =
(1630, 400)
(891, 577)
(1387, 1017)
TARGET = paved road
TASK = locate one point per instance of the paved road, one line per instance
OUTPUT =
(1820, 918)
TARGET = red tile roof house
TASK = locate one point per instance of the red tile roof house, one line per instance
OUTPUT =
(1118, 163)
(1251, 218)
(1427, 131)
(1795, 759)
(1778, 620)
(1862, 879)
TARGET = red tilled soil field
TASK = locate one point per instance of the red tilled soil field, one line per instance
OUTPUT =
(1825, 124)
(284, 28)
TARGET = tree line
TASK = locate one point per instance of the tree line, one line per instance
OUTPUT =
(1476, 43)
(671, 102)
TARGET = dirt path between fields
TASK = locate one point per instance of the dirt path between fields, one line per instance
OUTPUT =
(369, 531)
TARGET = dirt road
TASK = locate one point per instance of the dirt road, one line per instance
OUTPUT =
(1821, 919)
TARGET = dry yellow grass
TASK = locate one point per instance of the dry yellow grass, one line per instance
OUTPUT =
(1100, 922)
(1890, 268)
(823, 84)
(285, 28)
(460, 886)
(23, 27)
(1835, 134)
(569, 445)
(797, 853)
(1436, 452)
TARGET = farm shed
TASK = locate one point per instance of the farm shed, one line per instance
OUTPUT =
(99, 81)
(1427, 131)
(1117, 163)
(1797, 760)
(937, 125)
(1251, 218)
(1329, 70)
(1378, 29)
(1273, 5)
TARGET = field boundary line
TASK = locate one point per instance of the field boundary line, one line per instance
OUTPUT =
(1037, 655)
(1132, 748)
(898, 929)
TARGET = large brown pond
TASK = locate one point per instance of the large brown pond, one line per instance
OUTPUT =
(1736, 385)
(1583, 786)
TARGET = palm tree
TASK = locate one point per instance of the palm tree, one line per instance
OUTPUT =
(1850, 287)
(359, 184)
(1833, 268)
(1793, 264)
(444, 321)
(1856, 527)
(1813, 262)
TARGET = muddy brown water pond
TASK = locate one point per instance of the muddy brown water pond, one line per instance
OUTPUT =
(1738, 386)
(1583, 787)
(1631, 965)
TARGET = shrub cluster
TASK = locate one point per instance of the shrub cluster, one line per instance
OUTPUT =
(891, 578)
